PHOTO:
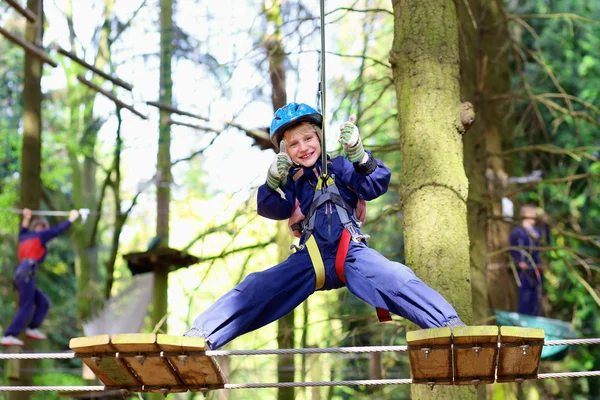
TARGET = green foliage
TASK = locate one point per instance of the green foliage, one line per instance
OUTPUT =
(559, 63)
(55, 379)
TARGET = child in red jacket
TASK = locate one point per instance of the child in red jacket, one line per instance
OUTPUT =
(33, 303)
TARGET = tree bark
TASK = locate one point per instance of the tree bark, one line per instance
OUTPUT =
(495, 82)
(433, 184)
(31, 181)
(474, 158)
(163, 189)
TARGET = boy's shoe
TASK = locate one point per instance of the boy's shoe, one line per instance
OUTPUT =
(35, 334)
(11, 341)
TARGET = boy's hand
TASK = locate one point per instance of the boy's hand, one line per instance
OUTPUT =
(73, 215)
(279, 169)
(26, 213)
(350, 139)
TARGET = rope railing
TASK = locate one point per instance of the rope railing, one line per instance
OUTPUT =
(215, 353)
(231, 386)
(220, 353)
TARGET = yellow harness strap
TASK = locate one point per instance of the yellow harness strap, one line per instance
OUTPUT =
(317, 261)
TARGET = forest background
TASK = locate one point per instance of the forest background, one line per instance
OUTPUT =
(530, 69)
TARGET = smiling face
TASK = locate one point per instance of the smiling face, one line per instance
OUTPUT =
(303, 144)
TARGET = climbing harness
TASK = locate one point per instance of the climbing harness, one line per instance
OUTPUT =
(327, 193)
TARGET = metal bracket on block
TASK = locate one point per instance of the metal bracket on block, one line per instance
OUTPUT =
(426, 350)
(476, 350)
(524, 348)
(183, 358)
(140, 358)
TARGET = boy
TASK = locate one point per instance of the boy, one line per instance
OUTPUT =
(529, 237)
(33, 303)
(328, 210)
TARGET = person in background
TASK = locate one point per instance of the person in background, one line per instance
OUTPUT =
(528, 238)
(33, 303)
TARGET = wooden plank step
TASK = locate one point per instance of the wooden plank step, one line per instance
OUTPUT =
(147, 362)
(111, 371)
(194, 370)
(520, 351)
(430, 355)
(475, 353)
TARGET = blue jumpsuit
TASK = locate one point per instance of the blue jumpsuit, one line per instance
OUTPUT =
(532, 279)
(33, 303)
(263, 297)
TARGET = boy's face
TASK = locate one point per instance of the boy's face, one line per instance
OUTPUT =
(303, 144)
(529, 213)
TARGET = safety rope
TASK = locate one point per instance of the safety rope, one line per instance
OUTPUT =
(366, 382)
(220, 353)
(52, 388)
(322, 90)
(564, 342)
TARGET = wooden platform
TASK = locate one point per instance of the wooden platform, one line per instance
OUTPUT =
(473, 355)
(149, 363)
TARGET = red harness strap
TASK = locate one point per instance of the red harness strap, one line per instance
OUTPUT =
(340, 259)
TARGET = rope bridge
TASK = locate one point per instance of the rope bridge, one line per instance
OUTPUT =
(217, 353)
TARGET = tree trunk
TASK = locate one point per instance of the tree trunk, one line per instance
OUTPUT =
(163, 185)
(31, 181)
(285, 325)
(433, 184)
(474, 159)
(161, 281)
(496, 81)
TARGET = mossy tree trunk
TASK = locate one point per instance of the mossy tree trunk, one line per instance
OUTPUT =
(433, 184)
(276, 56)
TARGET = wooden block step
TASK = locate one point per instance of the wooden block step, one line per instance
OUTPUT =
(135, 362)
(430, 355)
(520, 351)
(475, 353)
(152, 371)
(197, 370)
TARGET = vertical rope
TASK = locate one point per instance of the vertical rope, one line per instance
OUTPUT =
(322, 88)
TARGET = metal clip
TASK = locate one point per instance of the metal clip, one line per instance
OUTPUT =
(431, 385)
(140, 358)
(476, 350)
(124, 392)
(96, 360)
(524, 348)
(296, 248)
(164, 391)
(475, 383)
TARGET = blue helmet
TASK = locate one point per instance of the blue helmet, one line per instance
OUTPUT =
(290, 115)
